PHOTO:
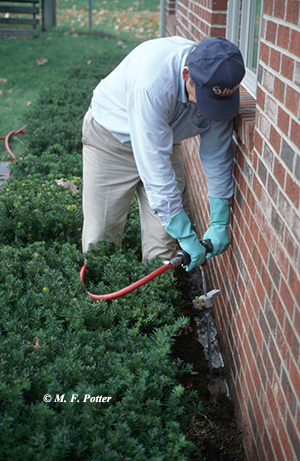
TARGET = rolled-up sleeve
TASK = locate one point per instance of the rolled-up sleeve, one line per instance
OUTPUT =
(152, 144)
(216, 156)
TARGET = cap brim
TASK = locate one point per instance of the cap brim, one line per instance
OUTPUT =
(216, 107)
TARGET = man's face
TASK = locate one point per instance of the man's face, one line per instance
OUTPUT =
(189, 85)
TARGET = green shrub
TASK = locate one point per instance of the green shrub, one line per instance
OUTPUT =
(57, 116)
(33, 209)
(55, 339)
(119, 349)
(54, 162)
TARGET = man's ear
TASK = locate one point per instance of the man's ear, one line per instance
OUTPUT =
(185, 73)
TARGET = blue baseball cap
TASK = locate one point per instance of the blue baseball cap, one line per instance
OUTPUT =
(217, 68)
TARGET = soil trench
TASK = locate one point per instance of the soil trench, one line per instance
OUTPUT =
(214, 429)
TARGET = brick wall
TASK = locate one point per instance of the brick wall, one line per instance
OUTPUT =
(170, 17)
(258, 313)
(198, 19)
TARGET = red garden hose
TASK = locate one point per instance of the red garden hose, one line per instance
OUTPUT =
(175, 262)
(6, 138)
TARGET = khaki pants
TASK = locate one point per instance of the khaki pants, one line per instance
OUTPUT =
(110, 179)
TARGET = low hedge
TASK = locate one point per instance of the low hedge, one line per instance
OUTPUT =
(36, 209)
(55, 339)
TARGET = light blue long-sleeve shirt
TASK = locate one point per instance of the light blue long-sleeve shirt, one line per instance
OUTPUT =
(144, 104)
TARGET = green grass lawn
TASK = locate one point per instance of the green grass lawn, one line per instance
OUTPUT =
(116, 24)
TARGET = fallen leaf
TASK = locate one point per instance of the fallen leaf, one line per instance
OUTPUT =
(36, 345)
(67, 185)
(28, 103)
(41, 61)
(3, 81)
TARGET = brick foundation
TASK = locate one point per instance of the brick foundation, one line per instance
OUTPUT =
(258, 312)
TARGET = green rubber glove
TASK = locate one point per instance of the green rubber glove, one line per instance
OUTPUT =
(180, 228)
(217, 231)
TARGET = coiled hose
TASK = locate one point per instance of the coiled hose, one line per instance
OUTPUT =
(6, 138)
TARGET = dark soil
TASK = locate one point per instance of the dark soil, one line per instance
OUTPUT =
(214, 429)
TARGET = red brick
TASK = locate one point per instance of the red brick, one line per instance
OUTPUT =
(258, 414)
(219, 5)
(278, 308)
(218, 19)
(217, 31)
(257, 189)
(282, 259)
(267, 446)
(255, 301)
(255, 376)
(292, 11)
(283, 36)
(279, 9)
(298, 416)
(257, 333)
(287, 67)
(293, 435)
(284, 439)
(283, 121)
(254, 230)
(279, 349)
(260, 97)
(275, 138)
(288, 392)
(295, 40)
(268, 7)
(279, 172)
(292, 190)
(258, 141)
(263, 248)
(286, 296)
(294, 283)
(276, 358)
(273, 406)
(265, 54)
(270, 237)
(295, 133)
(259, 449)
(291, 246)
(292, 339)
(248, 380)
(292, 100)
(279, 397)
(251, 204)
(275, 59)
(272, 188)
(276, 444)
(279, 89)
(295, 378)
(271, 108)
(271, 31)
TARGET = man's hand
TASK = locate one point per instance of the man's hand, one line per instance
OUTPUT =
(217, 231)
(179, 227)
